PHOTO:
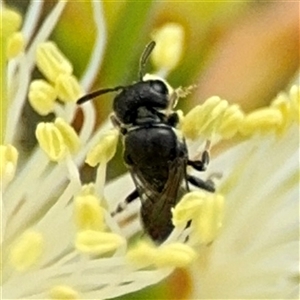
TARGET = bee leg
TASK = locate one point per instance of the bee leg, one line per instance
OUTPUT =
(117, 124)
(121, 206)
(173, 119)
(207, 185)
(200, 165)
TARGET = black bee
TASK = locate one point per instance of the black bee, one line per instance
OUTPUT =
(156, 157)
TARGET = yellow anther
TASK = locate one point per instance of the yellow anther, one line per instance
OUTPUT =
(51, 141)
(231, 121)
(142, 254)
(206, 212)
(27, 250)
(104, 150)
(174, 255)
(69, 135)
(283, 104)
(204, 120)
(208, 222)
(63, 292)
(263, 120)
(213, 120)
(295, 102)
(15, 45)
(88, 213)
(57, 139)
(98, 243)
(68, 88)
(42, 97)
(188, 207)
(10, 22)
(190, 127)
(8, 163)
(51, 61)
(169, 46)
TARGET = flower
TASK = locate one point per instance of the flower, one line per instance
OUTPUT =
(256, 255)
(59, 239)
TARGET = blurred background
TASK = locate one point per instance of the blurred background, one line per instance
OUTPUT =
(243, 51)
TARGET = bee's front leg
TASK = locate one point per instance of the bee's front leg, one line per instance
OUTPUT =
(200, 165)
(117, 124)
(207, 185)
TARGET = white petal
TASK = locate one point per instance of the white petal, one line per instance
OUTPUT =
(257, 253)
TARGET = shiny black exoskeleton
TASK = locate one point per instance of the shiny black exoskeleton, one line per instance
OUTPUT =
(154, 154)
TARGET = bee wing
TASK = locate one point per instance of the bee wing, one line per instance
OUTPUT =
(145, 189)
(177, 172)
(169, 194)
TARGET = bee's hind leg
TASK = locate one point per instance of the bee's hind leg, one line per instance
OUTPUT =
(121, 206)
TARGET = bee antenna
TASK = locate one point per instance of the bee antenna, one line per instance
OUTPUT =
(144, 58)
(95, 94)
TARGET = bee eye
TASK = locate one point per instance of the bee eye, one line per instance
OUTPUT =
(159, 87)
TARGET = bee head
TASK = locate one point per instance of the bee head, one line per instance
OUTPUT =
(151, 93)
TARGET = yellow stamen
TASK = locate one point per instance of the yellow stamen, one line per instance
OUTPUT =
(203, 120)
(63, 292)
(174, 255)
(8, 163)
(68, 88)
(188, 207)
(42, 97)
(189, 125)
(262, 121)
(88, 213)
(15, 45)
(169, 46)
(69, 135)
(51, 61)
(142, 254)
(231, 121)
(295, 103)
(289, 107)
(10, 22)
(51, 141)
(104, 150)
(56, 139)
(206, 212)
(208, 222)
(98, 243)
(27, 250)
(283, 105)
